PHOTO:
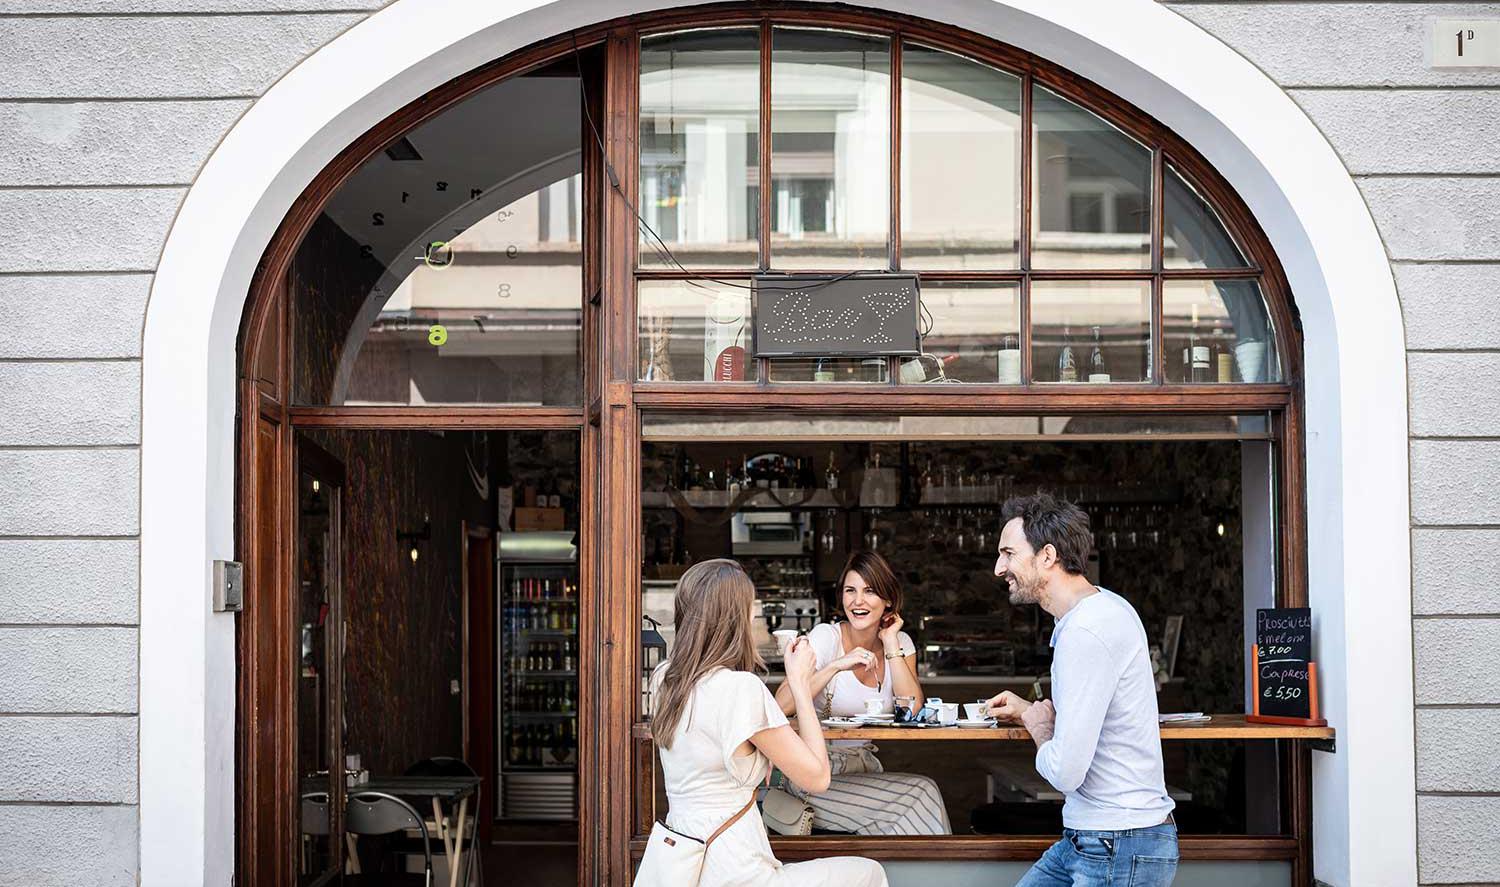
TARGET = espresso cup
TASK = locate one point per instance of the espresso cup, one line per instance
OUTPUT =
(784, 638)
(874, 706)
(975, 711)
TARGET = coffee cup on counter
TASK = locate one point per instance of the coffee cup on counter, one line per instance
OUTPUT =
(875, 706)
(976, 711)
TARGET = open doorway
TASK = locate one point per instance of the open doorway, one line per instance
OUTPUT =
(438, 610)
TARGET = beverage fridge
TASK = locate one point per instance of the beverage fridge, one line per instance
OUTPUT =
(538, 689)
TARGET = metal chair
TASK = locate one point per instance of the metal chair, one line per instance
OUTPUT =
(315, 824)
(442, 765)
(377, 813)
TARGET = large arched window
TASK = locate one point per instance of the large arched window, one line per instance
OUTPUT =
(1015, 203)
(554, 257)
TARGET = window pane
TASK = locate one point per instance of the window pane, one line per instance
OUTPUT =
(1090, 331)
(447, 269)
(694, 331)
(972, 330)
(830, 150)
(1218, 331)
(1091, 190)
(828, 369)
(1194, 237)
(960, 162)
(700, 148)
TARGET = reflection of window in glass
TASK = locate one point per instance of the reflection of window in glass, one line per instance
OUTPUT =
(830, 150)
(1091, 205)
(1090, 331)
(960, 162)
(447, 269)
(700, 147)
(498, 324)
(1218, 331)
(972, 332)
(1195, 237)
(694, 331)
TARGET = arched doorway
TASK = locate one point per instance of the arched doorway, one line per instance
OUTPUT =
(608, 401)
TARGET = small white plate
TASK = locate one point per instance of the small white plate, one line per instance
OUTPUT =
(840, 723)
(981, 724)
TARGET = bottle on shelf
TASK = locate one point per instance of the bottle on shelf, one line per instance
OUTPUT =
(1195, 362)
(1223, 357)
(1067, 363)
(1098, 372)
(831, 476)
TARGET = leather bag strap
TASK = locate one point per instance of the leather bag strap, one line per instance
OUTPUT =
(736, 817)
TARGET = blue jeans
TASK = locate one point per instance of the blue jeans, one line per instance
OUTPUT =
(1138, 857)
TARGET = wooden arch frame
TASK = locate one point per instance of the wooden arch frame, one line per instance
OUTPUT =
(609, 423)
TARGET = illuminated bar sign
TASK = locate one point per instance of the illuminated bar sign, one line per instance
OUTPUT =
(836, 315)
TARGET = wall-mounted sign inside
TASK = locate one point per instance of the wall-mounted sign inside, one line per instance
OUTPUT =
(825, 315)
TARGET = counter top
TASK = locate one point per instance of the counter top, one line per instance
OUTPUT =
(1232, 726)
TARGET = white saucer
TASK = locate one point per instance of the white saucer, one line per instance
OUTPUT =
(981, 724)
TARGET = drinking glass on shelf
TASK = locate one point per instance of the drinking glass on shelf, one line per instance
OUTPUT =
(872, 535)
(829, 541)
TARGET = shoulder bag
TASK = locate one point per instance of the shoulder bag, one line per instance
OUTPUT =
(673, 859)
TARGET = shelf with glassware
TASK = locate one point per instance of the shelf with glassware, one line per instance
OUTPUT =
(784, 486)
(538, 686)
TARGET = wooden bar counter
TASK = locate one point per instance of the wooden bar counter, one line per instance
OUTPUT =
(1218, 727)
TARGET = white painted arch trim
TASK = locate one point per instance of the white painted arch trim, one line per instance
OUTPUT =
(1364, 807)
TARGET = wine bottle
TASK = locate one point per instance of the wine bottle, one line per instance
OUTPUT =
(1195, 355)
(1098, 372)
(831, 476)
(1067, 364)
(1223, 359)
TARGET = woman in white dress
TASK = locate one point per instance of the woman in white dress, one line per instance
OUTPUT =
(719, 731)
(868, 656)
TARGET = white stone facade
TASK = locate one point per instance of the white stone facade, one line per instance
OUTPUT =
(109, 109)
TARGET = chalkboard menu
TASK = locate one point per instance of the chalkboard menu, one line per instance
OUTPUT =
(1285, 677)
(823, 315)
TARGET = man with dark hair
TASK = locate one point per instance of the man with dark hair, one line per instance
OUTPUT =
(1097, 738)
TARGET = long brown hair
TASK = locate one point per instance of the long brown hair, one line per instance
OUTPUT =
(878, 575)
(712, 616)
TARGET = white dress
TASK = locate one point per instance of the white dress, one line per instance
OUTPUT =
(707, 783)
(869, 803)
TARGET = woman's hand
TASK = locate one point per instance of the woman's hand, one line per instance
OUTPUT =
(800, 662)
(890, 636)
(859, 657)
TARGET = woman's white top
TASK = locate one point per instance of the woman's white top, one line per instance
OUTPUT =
(846, 694)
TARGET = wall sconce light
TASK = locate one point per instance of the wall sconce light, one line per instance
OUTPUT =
(408, 539)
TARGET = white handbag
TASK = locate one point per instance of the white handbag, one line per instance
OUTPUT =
(673, 859)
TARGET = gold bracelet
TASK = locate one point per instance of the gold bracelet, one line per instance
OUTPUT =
(896, 655)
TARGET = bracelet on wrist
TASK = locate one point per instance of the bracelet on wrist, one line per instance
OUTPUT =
(899, 654)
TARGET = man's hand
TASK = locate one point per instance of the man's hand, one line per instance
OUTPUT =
(1039, 720)
(1007, 707)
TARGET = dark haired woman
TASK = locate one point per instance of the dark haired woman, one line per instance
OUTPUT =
(867, 656)
(719, 731)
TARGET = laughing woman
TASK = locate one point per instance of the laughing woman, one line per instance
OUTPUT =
(867, 656)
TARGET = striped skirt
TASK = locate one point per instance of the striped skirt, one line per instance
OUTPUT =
(880, 804)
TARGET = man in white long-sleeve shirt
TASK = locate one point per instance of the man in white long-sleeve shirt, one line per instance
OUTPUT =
(1097, 738)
